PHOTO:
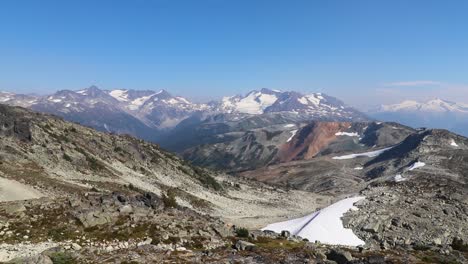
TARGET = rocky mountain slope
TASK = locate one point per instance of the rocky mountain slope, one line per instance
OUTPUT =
(436, 113)
(347, 168)
(96, 197)
(59, 158)
(273, 144)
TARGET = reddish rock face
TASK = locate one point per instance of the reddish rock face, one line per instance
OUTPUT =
(310, 140)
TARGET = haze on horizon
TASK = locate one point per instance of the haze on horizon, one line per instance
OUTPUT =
(363, 52)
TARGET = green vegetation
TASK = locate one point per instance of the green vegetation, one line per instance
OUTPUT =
(94, 163)
(62, 258)
(66, 157)
(206, 179)
(169, 199)
(421, 247)
(118, 149)
(242, 232)
(458, 245)
(273, 243)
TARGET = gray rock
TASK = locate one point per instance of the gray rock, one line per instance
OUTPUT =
(126, 209)
(13, 208)
(95, 218)
(38, 259)
(244, 245)
(372, 227)
(75, 246)
(340, 256)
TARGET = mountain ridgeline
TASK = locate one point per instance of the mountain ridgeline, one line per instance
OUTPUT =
(154, 115)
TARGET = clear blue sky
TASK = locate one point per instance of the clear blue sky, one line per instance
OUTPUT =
(355, 50)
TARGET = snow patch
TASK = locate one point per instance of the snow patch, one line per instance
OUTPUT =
(55, 100)
(399, 178)
(289, 125)
(453, 144)
(293, 134)
(370, 154)
(359, 168)
(325, 225)
(416, 165)
(253, 103)
(139, 102)
(353, 134)
(120, 95)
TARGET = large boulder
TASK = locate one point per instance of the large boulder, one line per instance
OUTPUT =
(37, 259)
(95, 218)
(340, 256)
(244, 245)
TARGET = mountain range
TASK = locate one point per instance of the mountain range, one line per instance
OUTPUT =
(436, 113)
(151, 115)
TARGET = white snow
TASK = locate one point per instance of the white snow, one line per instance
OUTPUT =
(359, 168)
(324, 225)
(120, 95)
(83, 92)
(68, 105)
(416, 165)
(253, 103)
(399, 178)
(139, 102)
(353, 134)
(370, 154)
(434, 106)
(313, 99)
(55, 100)
(453, 143)
(289, 125)
(293, 133)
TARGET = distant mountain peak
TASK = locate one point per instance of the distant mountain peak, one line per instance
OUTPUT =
(433, 105)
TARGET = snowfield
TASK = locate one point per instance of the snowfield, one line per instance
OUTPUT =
(293, 133)
(416, 165)
(354, 134)
(324, 225)
(371, 154)
(454, 144)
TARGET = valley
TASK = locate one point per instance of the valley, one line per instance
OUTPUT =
(236, 174)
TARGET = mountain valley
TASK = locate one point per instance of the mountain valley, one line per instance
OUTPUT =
(97, 183)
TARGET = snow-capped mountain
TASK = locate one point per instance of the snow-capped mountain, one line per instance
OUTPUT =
(436, 113)
(148, 114)
(315, 105)
(436, 105)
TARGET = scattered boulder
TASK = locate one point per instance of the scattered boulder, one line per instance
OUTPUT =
(340, 256)
(244, 245)
(285, 233)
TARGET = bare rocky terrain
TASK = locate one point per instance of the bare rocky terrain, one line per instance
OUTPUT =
(71, 194)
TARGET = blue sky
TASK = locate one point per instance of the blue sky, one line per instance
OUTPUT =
(364, 52)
